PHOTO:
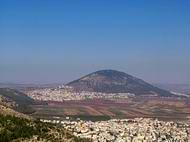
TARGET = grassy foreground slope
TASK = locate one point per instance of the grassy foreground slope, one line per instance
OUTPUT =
(19, 129)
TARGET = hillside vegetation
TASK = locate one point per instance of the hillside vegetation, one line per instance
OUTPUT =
(19, 129)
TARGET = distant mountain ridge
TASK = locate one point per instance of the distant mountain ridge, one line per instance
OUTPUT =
(112, 81)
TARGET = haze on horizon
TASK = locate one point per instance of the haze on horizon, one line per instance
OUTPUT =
(57, 41)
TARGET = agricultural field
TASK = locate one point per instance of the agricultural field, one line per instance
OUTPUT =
(99, 109)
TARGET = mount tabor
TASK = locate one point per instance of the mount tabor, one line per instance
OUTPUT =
(111, 81)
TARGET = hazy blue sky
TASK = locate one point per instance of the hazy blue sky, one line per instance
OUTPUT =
(46, 41)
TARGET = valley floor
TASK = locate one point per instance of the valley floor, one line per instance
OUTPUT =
(99, 109)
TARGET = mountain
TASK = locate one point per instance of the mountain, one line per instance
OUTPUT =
(112, 81)
(16, 100)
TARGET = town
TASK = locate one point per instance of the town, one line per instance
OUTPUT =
(128, 130)
(66, 93)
